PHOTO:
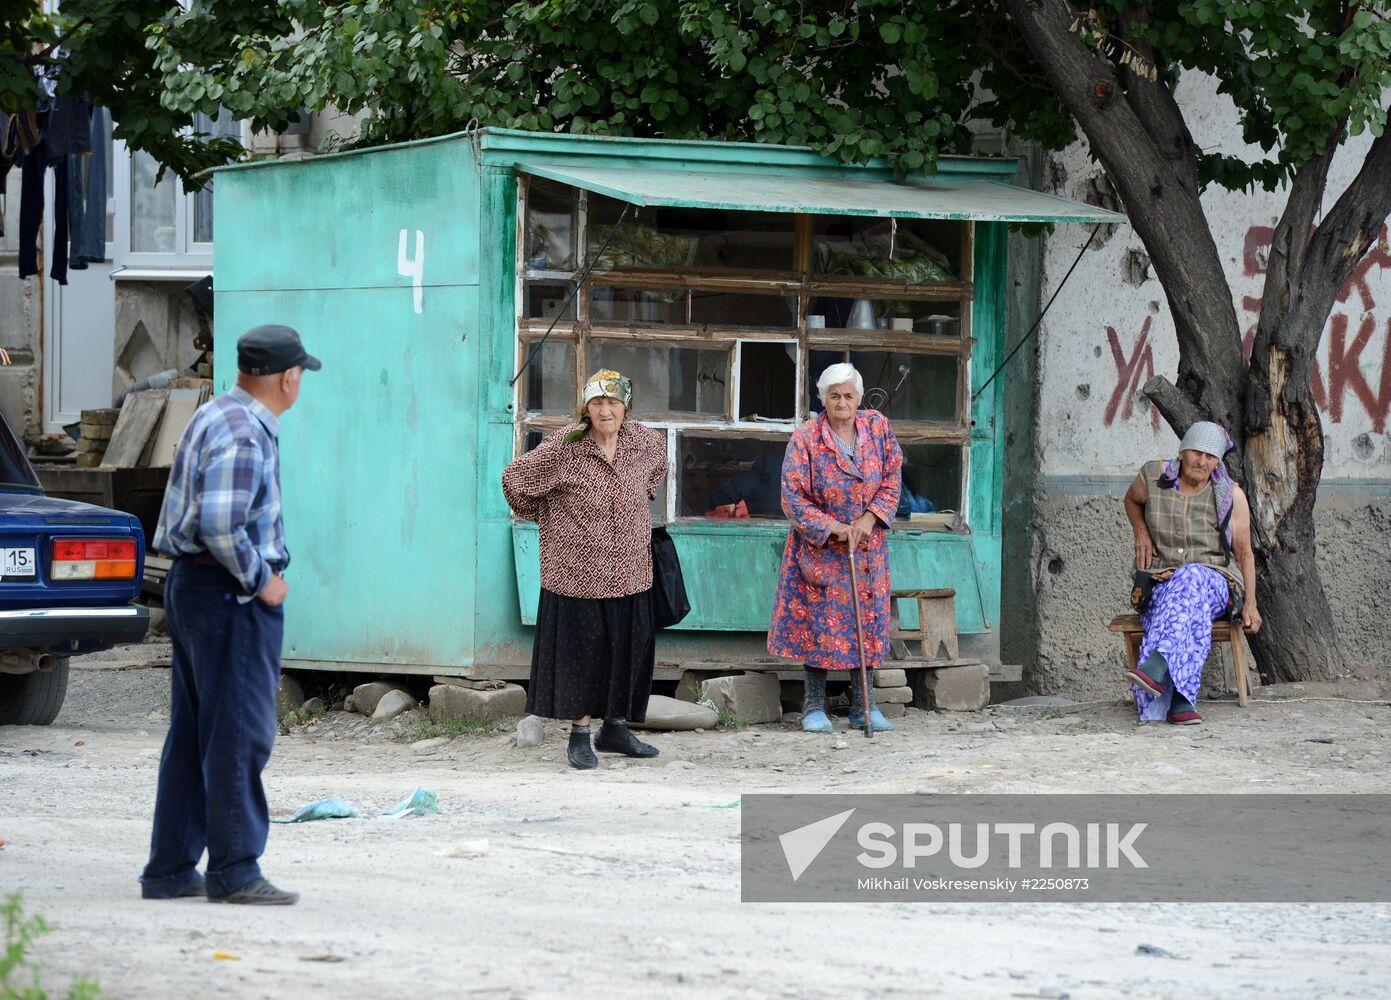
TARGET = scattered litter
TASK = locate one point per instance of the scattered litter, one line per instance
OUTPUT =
(3, 842)
(465, 849)
(1155, 950)
(226, 956)
(418, 803)
(1319, 739)
(83, 743)
(322, 958)
(323, 809)
(728, 805)
(543, 819)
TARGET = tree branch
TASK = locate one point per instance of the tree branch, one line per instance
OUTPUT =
(1178, 410)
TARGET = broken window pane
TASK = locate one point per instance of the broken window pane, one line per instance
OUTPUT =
(667, 379)
(917, 251)
(548, 385)
(899, 385)
(637, 306)
(544, 301)
(550, 226)
(749, 309)
(767, 381)
(931, 473)
(668, 239)
(718, 471)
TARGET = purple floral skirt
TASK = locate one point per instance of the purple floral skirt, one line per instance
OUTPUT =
(1179, 625)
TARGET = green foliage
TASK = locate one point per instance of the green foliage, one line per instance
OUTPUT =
(19, 974)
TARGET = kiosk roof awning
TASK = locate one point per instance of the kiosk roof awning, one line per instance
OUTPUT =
(823, 193)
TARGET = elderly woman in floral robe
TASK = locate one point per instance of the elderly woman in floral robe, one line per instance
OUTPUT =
(840, 483)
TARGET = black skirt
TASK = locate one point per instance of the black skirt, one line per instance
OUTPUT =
(592, 656)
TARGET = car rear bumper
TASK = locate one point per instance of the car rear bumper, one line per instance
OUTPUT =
(72, 630)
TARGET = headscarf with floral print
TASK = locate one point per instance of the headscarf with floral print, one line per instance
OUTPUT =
(603, 383)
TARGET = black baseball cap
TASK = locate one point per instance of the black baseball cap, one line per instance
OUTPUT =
(271, 349)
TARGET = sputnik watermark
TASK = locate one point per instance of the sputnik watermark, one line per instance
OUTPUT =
(1072, 847)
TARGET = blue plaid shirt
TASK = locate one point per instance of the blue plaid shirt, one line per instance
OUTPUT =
(223, 496)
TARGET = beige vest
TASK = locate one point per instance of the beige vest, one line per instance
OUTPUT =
(1185, 529)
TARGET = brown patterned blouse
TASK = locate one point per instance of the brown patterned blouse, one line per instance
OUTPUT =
(596, 528)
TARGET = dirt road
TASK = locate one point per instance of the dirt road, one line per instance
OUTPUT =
(625, 882)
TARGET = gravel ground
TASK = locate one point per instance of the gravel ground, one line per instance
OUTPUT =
(625, 881)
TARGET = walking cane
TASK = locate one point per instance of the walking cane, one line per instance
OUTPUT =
(859, 640)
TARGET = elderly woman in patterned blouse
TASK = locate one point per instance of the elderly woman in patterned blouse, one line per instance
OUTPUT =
(588, 486)
(1191, 523)
(840, 483)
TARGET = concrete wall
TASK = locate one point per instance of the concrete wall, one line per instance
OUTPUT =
(157, 325)
(19, 327)
(1109, 331)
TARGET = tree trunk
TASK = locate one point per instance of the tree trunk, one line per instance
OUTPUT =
(1282, 466)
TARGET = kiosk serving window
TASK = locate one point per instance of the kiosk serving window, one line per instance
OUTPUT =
(724, 320)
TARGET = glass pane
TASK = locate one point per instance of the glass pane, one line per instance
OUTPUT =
(549, 381)
(767, 381)
(716, 471)
(719, 308)
(666, 379)
(550, 226)
(931, 478)
(637, 306)
(900, 386)
(673, 238)
(544, 301)
(940, 319)
(223, 125)
(918, 251)
(658, 505)
(152, 207)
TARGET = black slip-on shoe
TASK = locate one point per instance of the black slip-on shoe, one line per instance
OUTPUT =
(258, 893)
(199, 888)
(620, 739)
(580, 753)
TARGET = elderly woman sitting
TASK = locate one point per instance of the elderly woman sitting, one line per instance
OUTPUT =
(1189, 520)
(840, 483)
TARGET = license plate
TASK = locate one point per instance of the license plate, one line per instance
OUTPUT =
(17, 564)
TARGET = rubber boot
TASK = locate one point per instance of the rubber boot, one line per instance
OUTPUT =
(615, 737)
(857, 709)
(580, 753)
(1152, 675)
(814, 719)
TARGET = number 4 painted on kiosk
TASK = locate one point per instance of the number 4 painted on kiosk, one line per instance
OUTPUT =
(413, 269)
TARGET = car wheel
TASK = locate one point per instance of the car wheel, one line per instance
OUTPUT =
(33, 699)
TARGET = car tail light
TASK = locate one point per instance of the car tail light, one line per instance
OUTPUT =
(93, 559)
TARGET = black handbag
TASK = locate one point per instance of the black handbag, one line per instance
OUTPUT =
(669, 602)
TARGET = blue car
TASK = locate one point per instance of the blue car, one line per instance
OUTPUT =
(69, 576)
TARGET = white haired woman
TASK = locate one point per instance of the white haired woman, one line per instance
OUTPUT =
(840, 483)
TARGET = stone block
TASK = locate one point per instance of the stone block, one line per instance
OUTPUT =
(675, 715)
(893, 711)
(90, 460)
(890, 677)
(365, 697)
(392, 704)
(448, 701)
(100, 418)
(688, 687)
(289, 695)
(893, 696)
(953, 689)
(751, 698)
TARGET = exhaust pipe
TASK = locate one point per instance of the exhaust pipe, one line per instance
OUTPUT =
(27, 663)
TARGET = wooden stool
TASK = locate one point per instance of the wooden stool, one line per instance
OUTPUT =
(936, 623)
(1222, 631)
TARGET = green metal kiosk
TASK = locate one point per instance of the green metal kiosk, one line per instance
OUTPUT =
(720, 277)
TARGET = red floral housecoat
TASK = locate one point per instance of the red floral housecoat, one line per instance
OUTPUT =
(813, 620)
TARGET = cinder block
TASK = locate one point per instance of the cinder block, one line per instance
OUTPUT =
(892, 711)
(953, 689)
(893, 696)
(688, 687)
(448, 701)
(751, 698)
(890, 677)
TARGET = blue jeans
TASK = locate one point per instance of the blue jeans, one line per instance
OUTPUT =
(222, 724)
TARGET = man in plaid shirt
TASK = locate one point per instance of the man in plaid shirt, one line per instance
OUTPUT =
(224, 599)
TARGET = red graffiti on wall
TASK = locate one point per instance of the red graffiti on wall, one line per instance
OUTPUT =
(1131, 373)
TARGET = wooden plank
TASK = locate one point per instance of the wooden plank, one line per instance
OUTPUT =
(137, 422)
(178, 411)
